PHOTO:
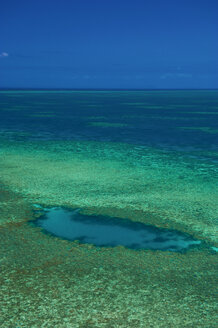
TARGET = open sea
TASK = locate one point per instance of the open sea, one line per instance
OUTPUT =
(108, 208)
(171, 120)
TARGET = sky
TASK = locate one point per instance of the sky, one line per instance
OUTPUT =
(98, 44)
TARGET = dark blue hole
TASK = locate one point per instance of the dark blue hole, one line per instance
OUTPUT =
(109, 232)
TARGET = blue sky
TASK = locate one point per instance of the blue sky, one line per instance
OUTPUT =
(109, 44)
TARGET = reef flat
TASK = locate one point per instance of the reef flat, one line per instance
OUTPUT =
(117, 180)
(47, 281)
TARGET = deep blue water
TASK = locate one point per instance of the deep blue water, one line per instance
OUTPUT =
(183, 120)
(107, 231)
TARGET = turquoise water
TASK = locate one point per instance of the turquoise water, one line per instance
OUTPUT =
(107, 231)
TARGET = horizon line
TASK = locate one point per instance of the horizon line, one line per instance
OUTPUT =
(108, 89)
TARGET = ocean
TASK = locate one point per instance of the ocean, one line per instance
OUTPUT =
(144, 159)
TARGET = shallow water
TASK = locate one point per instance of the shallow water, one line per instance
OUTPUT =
(110, 232)
(178, 120)
(146, 155)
